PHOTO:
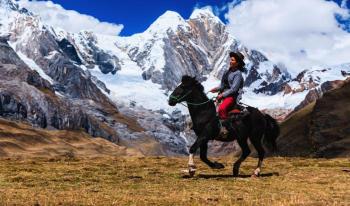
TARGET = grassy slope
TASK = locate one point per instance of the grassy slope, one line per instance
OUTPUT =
(322, 128)
(330, 125)
(18, 139)
(294, 140)
(159, 181)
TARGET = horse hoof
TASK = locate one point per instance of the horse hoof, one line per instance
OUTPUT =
(235, 172)
(256, 173)
(191, 172)
(254, 176)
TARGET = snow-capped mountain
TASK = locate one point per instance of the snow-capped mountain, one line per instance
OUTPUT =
(121, 84)
(73, 98)
(170, 48)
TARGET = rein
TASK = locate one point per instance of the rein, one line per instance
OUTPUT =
(178, 99)
(191, 103)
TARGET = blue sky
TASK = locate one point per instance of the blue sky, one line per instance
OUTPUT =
(136, 16)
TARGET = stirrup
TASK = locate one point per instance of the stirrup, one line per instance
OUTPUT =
(226, 123)
(223, 133)
(226, 129)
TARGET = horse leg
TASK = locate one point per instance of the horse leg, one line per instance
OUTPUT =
(256, 141)
(191, 165)
(193, 149)
(245, 153)
(204, 158)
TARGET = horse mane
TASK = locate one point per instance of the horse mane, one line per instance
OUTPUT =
(192, 81)
(199, 86)
(187, 78)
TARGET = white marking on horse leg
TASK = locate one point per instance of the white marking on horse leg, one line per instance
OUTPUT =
(257, 171)
(259, 167)
(191, 166)
(190, 160)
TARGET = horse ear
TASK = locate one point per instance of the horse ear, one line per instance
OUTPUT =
(186, 79)
(194, 80)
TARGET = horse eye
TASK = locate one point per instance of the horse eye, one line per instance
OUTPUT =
(181, 86)
(184, 86)
(181, 89)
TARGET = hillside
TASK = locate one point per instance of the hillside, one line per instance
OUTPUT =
(22, 140)
(321, 129)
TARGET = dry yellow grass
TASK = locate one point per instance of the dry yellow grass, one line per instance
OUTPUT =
(159, 181)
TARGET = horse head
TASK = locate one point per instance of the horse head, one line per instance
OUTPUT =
(183, 91)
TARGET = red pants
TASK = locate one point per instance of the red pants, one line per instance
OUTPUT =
(225, 106)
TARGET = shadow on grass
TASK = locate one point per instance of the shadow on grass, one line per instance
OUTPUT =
(221, 176)
(346, 170)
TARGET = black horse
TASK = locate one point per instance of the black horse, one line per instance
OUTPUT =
(206, 126)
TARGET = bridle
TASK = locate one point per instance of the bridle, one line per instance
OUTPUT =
(178, 99)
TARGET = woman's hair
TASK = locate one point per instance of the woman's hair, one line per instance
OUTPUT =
(239, 58)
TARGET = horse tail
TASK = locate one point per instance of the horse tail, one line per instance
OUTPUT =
(272, 131)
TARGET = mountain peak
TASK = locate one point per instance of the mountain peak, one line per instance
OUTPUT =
(206, 12)
(169, 19)
(170, 14)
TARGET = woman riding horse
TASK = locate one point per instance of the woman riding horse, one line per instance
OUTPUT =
(206, 126)
(230, 89)
(231, 84)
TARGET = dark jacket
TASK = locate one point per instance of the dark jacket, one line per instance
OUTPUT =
(231, 83)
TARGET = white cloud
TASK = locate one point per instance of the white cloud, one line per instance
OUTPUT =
(298, 33)
(69, 20)
(213, 9)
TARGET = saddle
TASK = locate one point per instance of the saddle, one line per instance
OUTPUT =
(238, 112)
(227, 129)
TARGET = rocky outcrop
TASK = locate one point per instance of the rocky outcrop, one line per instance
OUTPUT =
(164, 127)
(318, 92)
(26, 96)
(69, 50)
(10, 107)
(267, 78)
(311, 96)
(86, 44)
(253, 74)
(69, 78)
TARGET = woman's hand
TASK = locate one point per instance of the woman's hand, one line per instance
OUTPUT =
(214, 90)
(219, 97)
